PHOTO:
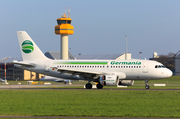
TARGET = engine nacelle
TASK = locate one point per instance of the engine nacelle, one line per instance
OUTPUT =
(126, 82)
(111, 80)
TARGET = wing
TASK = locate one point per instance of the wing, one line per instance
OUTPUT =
(24, 64)
(81, 73)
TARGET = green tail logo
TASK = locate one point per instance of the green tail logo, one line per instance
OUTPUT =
(27, 46)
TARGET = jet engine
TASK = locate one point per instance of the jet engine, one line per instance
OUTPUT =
(126, 82)
(111, 80)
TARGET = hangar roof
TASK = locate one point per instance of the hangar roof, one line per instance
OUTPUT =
(98, 56)
(56, 55)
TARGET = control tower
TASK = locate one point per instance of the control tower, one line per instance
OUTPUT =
(64, 28)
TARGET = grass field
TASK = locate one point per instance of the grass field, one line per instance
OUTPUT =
(108, 103)
(95, 103)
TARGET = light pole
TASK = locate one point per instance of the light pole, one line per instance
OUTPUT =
(140, 54)
(126, 49)
(79, 55)
(5, 81)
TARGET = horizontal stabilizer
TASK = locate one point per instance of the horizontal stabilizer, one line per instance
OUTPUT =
(24, 64)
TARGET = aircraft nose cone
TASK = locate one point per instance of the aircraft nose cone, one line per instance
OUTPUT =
(169, 73)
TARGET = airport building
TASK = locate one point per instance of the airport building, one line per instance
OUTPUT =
(15, 73)
(177, 63)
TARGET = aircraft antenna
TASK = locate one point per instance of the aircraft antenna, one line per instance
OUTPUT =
(69, 12)
(65, 10)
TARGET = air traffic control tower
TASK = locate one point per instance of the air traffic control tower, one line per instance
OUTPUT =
(64, 28)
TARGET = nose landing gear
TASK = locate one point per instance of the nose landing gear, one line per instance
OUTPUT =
(146, 84)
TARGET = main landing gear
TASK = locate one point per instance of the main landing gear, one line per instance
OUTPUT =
(99, 86)
(89, 86)
(146, 84)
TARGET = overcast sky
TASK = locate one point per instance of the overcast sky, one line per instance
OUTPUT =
(100, 26)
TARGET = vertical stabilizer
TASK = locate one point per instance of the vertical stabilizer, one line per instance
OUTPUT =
(29, 49)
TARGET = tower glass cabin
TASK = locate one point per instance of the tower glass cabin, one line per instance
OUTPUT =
(64, 26)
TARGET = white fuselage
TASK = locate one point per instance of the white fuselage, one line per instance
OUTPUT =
(105, 72)
(133, 69)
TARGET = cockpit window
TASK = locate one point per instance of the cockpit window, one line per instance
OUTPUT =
(160, 66)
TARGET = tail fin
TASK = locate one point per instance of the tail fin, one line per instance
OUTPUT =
(29, 49)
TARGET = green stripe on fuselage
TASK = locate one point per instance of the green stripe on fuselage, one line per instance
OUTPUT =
(83, 63)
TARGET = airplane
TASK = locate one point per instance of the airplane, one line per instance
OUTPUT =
(1, 80)
(102, 72)
(50, 78)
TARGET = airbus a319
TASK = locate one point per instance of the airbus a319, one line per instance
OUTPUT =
(103, 72)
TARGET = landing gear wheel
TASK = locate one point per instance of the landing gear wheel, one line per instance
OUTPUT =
(88, 86)
(99, 86)
(147, 87)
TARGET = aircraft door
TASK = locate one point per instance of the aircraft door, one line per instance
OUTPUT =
(145, 67)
